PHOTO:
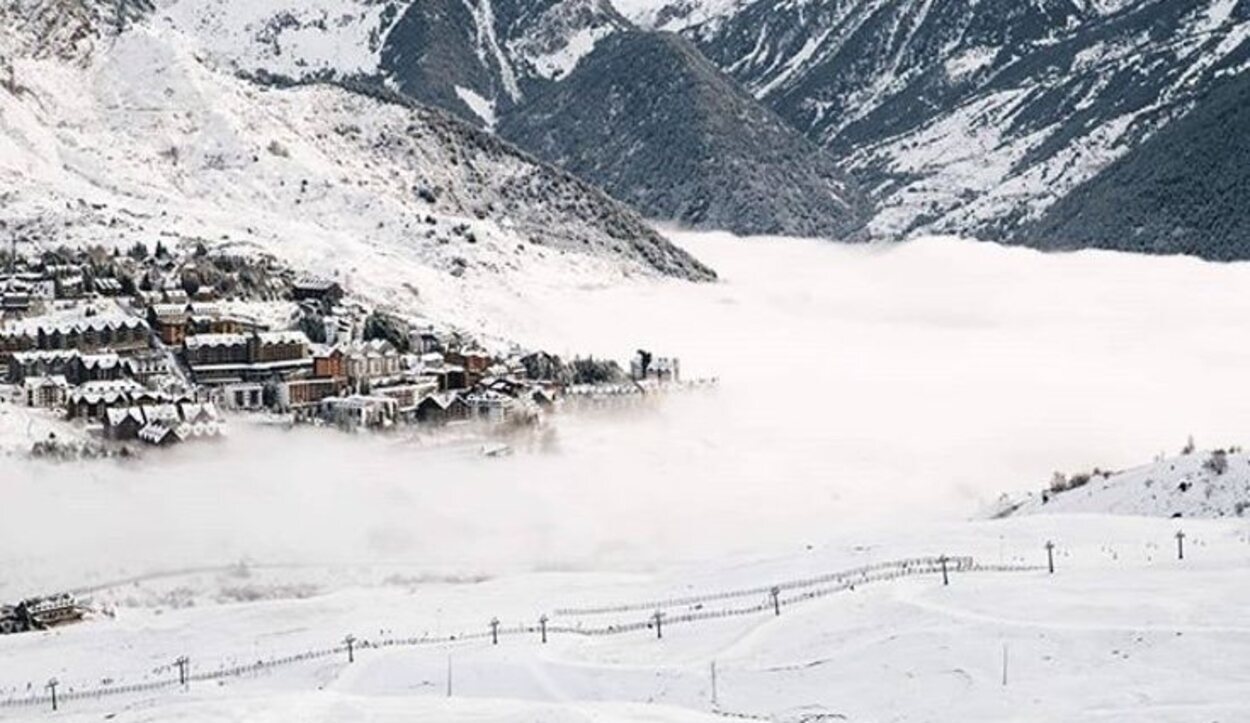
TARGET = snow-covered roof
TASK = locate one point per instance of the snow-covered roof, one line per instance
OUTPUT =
(106, 360)
(29, 357)
(111, 385)
(283, 337)
(359, 401)
(198, 341)
(55, 380)
(159, 433)
(162, 413)
(443, 400)
(68, 324)
(198, 411)
(117, 415)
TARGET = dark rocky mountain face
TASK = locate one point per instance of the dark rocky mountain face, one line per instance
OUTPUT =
(642, 114)
(431, 51)
(479, 59)
(649, 119)
(1186, 190)
(974, 116)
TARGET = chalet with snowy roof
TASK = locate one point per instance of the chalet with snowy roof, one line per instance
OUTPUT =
(489, 404)
(148, 365)
(372, 361)
(258, 356)
(123, 423)
(162, 435)
(186, 419)
(45, 392)
(475, 362)
(330, 363)
(508, 386)
(76, 367)
(324, 291)
(174, 322)
(83, 333)
(359, 411)
(25, 364)
(408, 395)
(440, 408)
(93, 399)
(99, 367)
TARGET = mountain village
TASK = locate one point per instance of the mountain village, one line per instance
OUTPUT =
(160, 346)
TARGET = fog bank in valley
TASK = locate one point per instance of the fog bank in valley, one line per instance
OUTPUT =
(859, 387)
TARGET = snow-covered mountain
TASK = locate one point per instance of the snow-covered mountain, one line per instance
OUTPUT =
(971, 116)
(153, 133)
(648, 118)
(1182, 190)
(641, 114)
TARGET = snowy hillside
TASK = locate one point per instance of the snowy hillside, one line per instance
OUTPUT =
(1201, 484)
(967, 116)
(292, 39)
(149, 139)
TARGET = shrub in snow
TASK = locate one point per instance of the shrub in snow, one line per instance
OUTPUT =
(1217, 463)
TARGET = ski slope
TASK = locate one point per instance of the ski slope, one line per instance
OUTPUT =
(1123, 630)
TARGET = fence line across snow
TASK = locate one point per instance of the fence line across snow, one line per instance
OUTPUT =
(802, 590)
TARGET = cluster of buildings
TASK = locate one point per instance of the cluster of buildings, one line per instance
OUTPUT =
(147, 358)
(91, 359)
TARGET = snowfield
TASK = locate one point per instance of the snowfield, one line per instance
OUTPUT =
(1123, 630)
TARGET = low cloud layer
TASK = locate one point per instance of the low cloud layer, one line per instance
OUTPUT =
(860, 386)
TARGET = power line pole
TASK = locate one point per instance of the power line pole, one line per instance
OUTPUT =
(1050, 556)
(658, 617)
(182, 663)
(494, 631)
(351, 648)
(1004, 665)
(448, 675)
(1180, 544)
(51, 686)
(945, 578)
(775, 593)
(542, 626)
(715, 697)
